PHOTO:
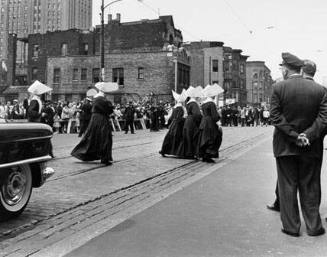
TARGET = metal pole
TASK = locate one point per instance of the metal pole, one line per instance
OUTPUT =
(176, 70)
(102, 41)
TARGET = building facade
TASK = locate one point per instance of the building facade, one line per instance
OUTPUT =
(24, 17)
(258, 83)
(144, 57)
(234, 76)
(206, 62)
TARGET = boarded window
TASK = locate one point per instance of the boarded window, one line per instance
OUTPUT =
(118, 75)
(84, 74)
(140, 73)
(75, 74)
(56, 75)
(96, 75)
(215, 65)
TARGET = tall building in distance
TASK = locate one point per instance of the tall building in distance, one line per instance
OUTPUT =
(258, 83)
(24, 17)
(206, 62)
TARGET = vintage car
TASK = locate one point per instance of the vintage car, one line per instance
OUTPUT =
(24, 152)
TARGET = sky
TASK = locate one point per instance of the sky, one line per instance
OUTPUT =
(263, 29)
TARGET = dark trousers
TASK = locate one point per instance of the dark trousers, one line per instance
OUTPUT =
(276, 203)
(299, 173)
(129, 123)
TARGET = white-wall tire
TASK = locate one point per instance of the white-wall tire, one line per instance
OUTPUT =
(15, 190)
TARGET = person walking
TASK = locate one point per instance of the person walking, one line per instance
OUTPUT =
(188, 148)
(96, 142)
(299, 114)
(210, 135)
(173, 138)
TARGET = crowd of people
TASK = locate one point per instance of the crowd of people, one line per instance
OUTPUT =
(244, 116)
(73, 117)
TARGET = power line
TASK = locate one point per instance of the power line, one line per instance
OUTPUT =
(238, 17)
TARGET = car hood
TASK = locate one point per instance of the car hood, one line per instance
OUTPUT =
(11, 132)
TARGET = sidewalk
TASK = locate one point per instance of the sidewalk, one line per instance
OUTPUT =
(223, 214)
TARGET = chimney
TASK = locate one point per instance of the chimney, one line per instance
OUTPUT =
(118, 17)
(109, 18)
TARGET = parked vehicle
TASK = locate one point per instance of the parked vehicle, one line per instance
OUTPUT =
(24, 152)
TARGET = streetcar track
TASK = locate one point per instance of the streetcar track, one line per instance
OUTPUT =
(227, 150)
(114, 148)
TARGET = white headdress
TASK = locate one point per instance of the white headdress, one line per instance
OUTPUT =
(107, 87)
(211, 91)
(38, 88)
(180, 98)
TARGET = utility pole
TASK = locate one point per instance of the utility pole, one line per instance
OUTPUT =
(102, 35)
(102, 41)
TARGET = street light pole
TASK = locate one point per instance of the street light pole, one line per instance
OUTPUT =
(176, 72)
(102, 40)
(102, 35)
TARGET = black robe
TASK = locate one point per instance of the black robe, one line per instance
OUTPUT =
(97, 141)
(85, 117)
(210, 135)
(188, 148)
(173, 138)
(33, 111)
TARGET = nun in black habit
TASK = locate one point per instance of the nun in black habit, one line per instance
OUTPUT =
(188, 148)
(35, 107)
(210, 135)
(173, 138)
(96, 143)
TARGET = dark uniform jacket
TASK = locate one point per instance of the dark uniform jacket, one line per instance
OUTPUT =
(129, 113)
(298, 106)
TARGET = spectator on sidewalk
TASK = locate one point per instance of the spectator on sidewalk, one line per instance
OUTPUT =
(129, 114)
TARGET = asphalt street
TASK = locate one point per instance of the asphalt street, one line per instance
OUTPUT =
(223, 214)
(85, 200)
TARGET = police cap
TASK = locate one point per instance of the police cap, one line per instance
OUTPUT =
(291, 60)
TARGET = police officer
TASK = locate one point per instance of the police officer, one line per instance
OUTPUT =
(299, 114)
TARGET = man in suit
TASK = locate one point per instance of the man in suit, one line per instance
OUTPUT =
(129, 117)
(308, 71)
(299, 114)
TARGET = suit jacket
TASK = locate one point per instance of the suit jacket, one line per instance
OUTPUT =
(298, 105)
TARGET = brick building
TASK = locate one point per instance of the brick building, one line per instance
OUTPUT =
(141, 56)
(39, 16)
(206, 62)
(258, 83)
(235, 76)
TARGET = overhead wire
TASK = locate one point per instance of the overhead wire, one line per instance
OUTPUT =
(238, 17)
